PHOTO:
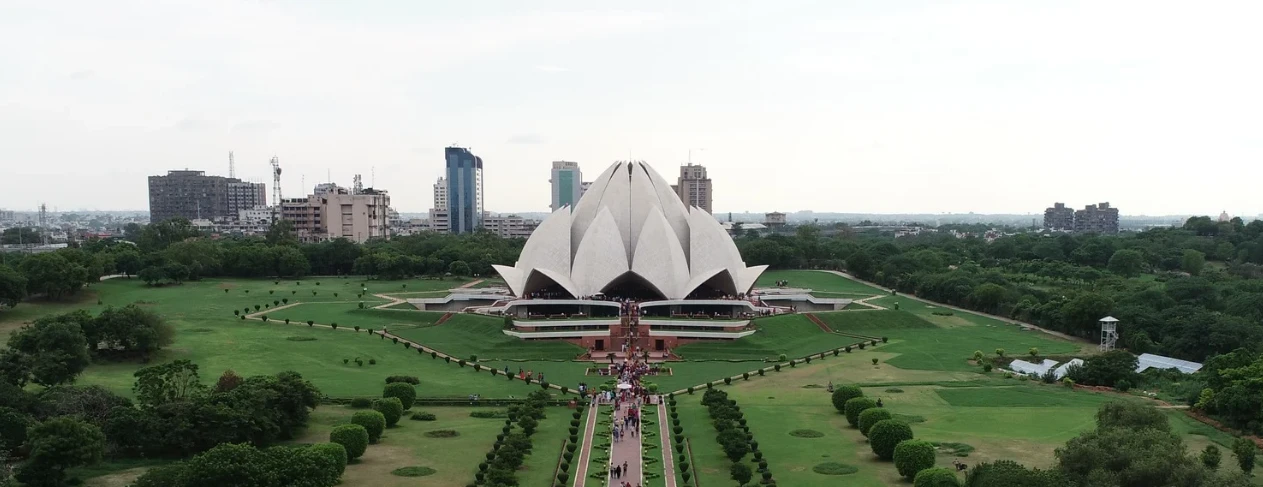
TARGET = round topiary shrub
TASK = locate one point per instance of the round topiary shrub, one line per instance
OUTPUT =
(870, 417)
(335, 453)
(885, 435)
(360, 402)
(936, 477)
(374, 422)
(854, 407)
(913, 456)
(352, 437)
(405, 392)
(843, 394)
(391, 408)
(727, 380)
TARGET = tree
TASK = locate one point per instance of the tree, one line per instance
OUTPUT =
(936, 477)
(1192, 262)
(854, 407)
(459, 268)
(20, 235)
(12, 287)
(1083, 312)
(127, 262)
(13, 424)
(336, 454)
(842, 394)
(1106, 369)
(872, 416)
(50, 351)
(89, 403)
(1123, 414)
(56, 445)
(374, 422)
(176, 272)
(740, 472)
(391, 408)
(52, 275)
(281, 233)
(913, 456)
(1126, 263)
(403, 391)
(1211, 457)
(130, 330)
(1134, 457)
(289, 262)
(166, 383)
(1245, 451)
(1007, 473)
(885, 435)
(152, 275)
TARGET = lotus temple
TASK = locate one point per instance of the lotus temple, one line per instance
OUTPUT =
(630, 266)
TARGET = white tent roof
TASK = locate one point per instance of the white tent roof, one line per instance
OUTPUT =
(1062, 370)
(1150, 361)
(1028, 368)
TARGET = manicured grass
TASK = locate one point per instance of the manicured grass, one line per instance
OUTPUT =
(545, 448)
(847, 321)
(349, 315)
(651, 444)
(1021, 396)
(464, 335)
(817, 281)
(792, 335)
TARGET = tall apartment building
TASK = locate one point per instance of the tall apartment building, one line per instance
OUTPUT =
(510, 226)
(1099, 218)
(1059, 218)
(339, 213)
(694, 187)
(583, 188)
(567, 183)
(194, 195)
(464, 190)
(440, 194)
(7, 215)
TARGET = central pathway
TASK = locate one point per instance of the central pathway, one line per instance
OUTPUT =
(626, 451)
(668, 455)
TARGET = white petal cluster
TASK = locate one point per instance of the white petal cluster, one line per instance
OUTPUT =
(630, 225)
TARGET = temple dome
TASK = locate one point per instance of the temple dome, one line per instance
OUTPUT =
(630, 229)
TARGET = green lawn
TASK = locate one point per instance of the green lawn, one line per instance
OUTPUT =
(349, 314)
(464, 335)
(817, 281)
(792, 335)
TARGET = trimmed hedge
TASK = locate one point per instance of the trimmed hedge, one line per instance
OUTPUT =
(391, 408)
(403, 391)
(374, 422)
(936, 477)
(870, 417)
(352, 437)
(336, 454)
(885, 435)
(842, 394)
(913, 456)
(855, 407)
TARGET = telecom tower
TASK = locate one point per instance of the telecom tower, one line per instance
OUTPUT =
(43, 224)
(1109, 333)
(232, 166)
(358, 186)
(276, 189)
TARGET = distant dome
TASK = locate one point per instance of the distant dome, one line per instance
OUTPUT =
(1223, 217)
(630, 230)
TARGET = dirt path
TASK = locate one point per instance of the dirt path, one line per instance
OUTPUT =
(393, 301)
(470, 284)
(668, 455)
(962, 310)
(585, 454)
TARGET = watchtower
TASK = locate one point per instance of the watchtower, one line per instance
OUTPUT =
(1109, 333)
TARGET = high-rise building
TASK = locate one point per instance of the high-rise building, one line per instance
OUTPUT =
(583, 188)
(464, 190)
(567, 183)
(1059, 217)
(1099, 218)
(339, 213)
(440, 194)
(694, 186)
(194, 195)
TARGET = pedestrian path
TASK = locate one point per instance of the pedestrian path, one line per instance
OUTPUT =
(585, 448)
(668, 455)
(626, 454)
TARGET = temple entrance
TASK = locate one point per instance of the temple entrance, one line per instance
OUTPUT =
(600, 344)
(659, 345)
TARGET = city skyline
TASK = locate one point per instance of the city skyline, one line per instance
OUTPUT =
(889, 108)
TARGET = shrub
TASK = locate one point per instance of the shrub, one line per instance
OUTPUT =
(854, 407)
(862, 345)
(407, 379)
(874, 360)
(913, 456)
(777, 367)
(1211, 457)
(781, 358)
(1068, 382)
(372, 361)
(885, 435)
(987, 367)
(740, 472)
(842, 394)
(352, 437)
(405, 392)
(936, 477)
(761, 372)
(727, 380)
(310, 322)
(360, 402)
(391, 408)
(745, 376)
(423, 416)
(1123, 385)
(374, 422)
(335, 453)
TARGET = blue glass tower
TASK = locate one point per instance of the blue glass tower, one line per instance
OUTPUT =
(464, 190)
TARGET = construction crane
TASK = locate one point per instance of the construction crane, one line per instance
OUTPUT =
(276, 189)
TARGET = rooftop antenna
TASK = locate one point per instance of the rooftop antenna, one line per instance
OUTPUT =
(232, 166)
(373, 177)
(357, 185)
(276, 188)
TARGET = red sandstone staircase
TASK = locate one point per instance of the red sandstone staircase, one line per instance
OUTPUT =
(816, 319)
(442, 319)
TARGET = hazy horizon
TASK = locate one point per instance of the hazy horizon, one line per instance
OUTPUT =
(884, 108)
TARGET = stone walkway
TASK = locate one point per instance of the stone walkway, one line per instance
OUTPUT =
(585, 448)
(627, 451)
(668, 455)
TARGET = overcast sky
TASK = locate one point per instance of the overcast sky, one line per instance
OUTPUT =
(874, 107)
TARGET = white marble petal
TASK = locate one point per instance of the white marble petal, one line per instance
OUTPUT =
(586, 209)
(601, 257)
(659, 258)
(549, 246)
(710, 247)
(675, 211)
(513, 277)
